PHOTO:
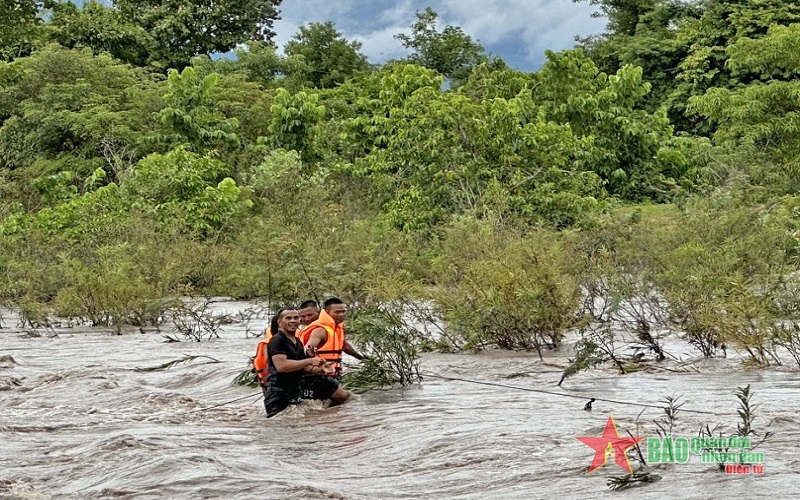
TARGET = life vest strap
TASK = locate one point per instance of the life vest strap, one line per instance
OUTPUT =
(334, 351)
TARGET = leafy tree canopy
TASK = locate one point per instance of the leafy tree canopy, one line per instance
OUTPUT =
(331, 59)
(181, 30)
(450, 51)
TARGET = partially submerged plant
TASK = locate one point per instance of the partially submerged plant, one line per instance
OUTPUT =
(389, 344)
(747, 414)
(197, 322)
(619, 483)
(246, 377)
(720, 453)
(587, 355)
(667, 423)
(744, 428)
(247, 315)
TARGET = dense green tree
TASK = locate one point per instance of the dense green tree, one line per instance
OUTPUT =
(623, 15)
(67, 110)
(188, 187)
(759, 122)
(495, 79)
(331, 59)
(648, 40)
(20, 27)
(260, 62)
(722, 23)
(628, 141)
(181, 30)
(381, 96)
(773, 57)
(682, 46)
(101, 29)
(295, 121)
(190, 115)
(450, 51)
(430, 154)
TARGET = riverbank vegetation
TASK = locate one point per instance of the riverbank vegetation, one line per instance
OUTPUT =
(642, 184)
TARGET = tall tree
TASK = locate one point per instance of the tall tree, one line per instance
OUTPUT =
(682, 45)
(451, 52)
(761, 120)
(623, 15)
(330, 57)
(68, 111)
(20, 26)
(101, 29)
(182, 29)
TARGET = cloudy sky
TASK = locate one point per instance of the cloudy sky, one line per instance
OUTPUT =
(517, 30)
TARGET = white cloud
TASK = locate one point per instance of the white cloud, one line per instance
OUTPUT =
(400, 13)
(506, 28)
(381, 45)
(536, 24)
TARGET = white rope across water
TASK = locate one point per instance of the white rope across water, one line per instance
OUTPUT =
(553, 393)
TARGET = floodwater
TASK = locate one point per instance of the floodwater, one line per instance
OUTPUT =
(78, 421)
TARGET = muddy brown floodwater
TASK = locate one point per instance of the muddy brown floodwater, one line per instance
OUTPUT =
(77, 421)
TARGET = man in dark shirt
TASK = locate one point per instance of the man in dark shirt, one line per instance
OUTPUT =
(287, 363)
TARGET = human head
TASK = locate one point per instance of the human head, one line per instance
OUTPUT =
(336, 309)
(309, 312)
(287, 320)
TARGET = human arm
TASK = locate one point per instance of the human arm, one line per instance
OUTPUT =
(317, 338)
(349, 349)
(285, 365)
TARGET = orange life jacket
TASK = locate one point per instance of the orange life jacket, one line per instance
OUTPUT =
(260, 363)
(332, 349)
(268, 333)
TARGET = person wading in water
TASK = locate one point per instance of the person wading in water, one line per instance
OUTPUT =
(325, 336)
(287, 363)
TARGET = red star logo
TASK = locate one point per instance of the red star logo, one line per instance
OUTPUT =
(610, 444)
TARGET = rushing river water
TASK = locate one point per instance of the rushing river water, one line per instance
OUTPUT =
(77, 421)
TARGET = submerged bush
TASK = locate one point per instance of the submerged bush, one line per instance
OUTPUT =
(494, 287)
(389, 343)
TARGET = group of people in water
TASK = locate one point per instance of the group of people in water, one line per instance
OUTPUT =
(300, 356)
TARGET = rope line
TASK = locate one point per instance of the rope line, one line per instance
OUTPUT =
(227, 403)
(496, 384)
(553, 393)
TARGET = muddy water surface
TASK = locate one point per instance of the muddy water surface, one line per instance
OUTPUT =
(78, 421)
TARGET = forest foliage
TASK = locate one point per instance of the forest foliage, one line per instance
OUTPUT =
(640, 183)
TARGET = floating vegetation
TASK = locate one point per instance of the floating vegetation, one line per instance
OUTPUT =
(188, 358)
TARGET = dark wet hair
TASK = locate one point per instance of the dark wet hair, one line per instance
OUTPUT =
(309, 303)
(332, 302)
(274, 323)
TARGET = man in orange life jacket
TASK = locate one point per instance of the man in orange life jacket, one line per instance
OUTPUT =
(287, 363)
(325, 336)
(309, 313)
